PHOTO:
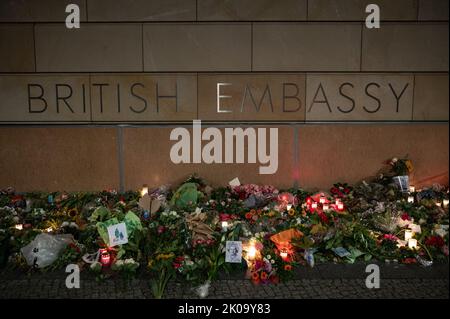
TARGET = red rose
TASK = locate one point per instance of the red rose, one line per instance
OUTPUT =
(161, 229)
(435, 241)
(405, 216)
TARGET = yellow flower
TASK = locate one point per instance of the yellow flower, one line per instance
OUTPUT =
(271, 213)
(164, 256)
(291, 212)
(73, 213)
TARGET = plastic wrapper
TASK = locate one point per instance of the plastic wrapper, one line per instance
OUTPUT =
(45, 249)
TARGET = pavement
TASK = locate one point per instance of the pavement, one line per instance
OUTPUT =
(325, 281)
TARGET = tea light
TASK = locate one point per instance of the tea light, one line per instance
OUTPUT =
(144, 190)
(19, 226)
(340, 206)
(408, 234)
(224, 225)
(412, 189)
(410, 199)
(439, 204)
(326, 207)
(322, 200)
(288, 206)
(314, 205)
(283, 254)
(445, 203)
(412, 243)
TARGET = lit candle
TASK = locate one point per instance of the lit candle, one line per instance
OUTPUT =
(314, 205)
(105, 257)
(19, 226)
(445, 203)
(412, 243)
(251, 253)
(408, 234)
(283, 254)
(412, 189)
(439, 204)
(49, 230)
(288, 206)
(326, 207)
(144, 190)
(322, 200)
(224, 225)
(410, 199)
(340, 206)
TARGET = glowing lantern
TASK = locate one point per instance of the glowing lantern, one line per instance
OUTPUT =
(408, 234)
(284, 254)
(144, 190)
(412, 243)
(105, 257)
(410, 199)
(19, 226)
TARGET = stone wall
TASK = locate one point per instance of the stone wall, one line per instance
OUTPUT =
(92, 108)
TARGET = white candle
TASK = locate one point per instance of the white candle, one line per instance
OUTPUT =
(410, 199)
(322, 200)
(283, 254)
(408, 234)
(19, 226)
(340, 206)
(412, 243)
(445, 203)
(288, 206)
(439, 204)
(314, 205)
(325, 207)
(412, 189)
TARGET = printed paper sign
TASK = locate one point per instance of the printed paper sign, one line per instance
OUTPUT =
(233, 252)
(117, 234)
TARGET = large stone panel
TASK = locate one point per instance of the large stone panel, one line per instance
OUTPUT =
(351, 153)
(359, 97)
(251, 10)
(38, 10)
(143, 97)
(141, 10)
(16, 48)
(251, 97)
(44, 98)
(355, 10)
(431, 97)
(57, 159)
(147, 161)
(433, 10)
(306, 47)
(197, 47)
(92, 48)
(406, 47)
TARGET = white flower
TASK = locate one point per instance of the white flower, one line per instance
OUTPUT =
(65, 224)
(268, 257)
(272, 261)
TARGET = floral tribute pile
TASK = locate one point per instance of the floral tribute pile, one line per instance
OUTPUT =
(183, 233)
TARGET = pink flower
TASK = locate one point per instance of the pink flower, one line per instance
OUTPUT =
(390, 237)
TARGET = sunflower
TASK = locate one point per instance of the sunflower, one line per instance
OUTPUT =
(291, 212)
(288, 267)
(73, 213)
